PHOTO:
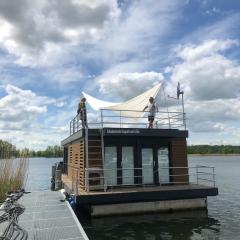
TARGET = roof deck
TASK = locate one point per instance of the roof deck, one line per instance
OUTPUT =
(117, 123)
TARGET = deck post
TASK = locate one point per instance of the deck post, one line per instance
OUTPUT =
(197, 173)
(78, 127)
(213, 176)
(183, 109)
(77, 183)
(120, 120)
(74, 125)
(169, 121)
(184, 121)
(102, 144)
(86, 157)
(101, 118)
(86, 179)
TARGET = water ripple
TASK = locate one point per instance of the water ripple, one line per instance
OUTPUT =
(221, 222)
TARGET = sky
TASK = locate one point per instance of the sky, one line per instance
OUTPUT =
(51, 51)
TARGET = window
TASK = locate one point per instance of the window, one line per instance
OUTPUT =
(163, 165)
(147, 165)
(110, 166)
(127, 165)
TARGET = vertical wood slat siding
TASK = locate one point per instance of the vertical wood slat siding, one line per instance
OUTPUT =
(179, 159)
(76, 161)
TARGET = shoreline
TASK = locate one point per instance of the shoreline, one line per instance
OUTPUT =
(214, 154)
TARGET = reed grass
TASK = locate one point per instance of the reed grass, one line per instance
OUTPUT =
(13, 174)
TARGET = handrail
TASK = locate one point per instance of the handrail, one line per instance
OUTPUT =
(163, 119)
(201, 175)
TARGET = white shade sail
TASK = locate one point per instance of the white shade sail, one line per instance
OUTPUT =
(97, 104)
(132, 108)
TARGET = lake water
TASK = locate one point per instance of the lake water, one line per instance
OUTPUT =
(39, 174)
(222, 221)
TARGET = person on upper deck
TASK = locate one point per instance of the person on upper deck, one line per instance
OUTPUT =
(152, 109)
(82, 112)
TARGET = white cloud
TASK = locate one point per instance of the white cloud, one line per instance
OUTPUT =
(65, 76)
(206, 49)
(210, 81)
(141, 26)
(206, 73)
(222, 29)
(37, 31)
(78, 32)
(19, 113)
(36, 138)
(76, 38)
(214, 11)
(19, 108)
(127, 85)
(211, 115)
(21, 105)
(132, 48)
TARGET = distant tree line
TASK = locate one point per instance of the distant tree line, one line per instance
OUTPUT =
(50, 151)
(9, 150)
(213, 149)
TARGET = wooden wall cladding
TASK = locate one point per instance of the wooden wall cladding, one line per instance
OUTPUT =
(76, 159)
(76, 162)
(179, 159)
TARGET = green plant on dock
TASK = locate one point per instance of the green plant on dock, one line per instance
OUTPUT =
(13, 174)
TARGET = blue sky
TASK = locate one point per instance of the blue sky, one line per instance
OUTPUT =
(51, 51)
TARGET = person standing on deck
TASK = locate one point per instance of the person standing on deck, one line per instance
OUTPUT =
(152, 109)
(82, 112)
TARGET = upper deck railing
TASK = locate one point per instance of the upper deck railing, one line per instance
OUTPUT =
(118, 119)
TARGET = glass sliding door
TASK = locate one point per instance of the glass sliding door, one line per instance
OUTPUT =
(147, 165)
(163, 165)
(127, 166)
(110, 166)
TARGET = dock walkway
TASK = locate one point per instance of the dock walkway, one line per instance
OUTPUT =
(47, 218)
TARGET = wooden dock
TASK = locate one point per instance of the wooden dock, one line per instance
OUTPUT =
(47, 218)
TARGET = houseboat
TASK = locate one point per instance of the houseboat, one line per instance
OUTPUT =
(117, 165)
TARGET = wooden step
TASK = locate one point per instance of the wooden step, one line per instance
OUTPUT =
(93, 159)
(92, 147)
(94, 153)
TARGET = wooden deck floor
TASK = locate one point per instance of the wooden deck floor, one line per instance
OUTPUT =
(129, 189)
(47, 218)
